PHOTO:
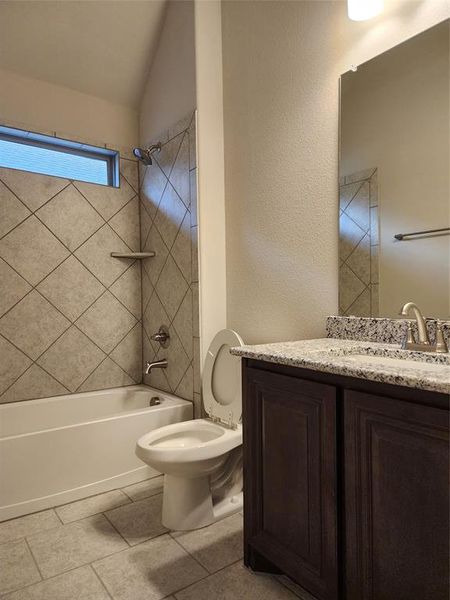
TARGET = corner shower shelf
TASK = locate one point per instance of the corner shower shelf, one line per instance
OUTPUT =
(133, 255)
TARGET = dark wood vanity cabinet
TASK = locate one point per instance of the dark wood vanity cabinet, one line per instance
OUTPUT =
(346, 484)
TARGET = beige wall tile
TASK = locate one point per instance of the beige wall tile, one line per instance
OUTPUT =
(70, 217)
(34, 190)
(107, 375)
(34, 383)
(126, 224)
(33, 324)
(12, 211)
(106, 322)
(71, 288)
(13, 364)
(105, 199)
(71, 358)
(32, 250)
(13, 287)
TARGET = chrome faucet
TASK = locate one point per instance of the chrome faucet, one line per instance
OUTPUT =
(424, 340)
(156, 364)
(423, 343)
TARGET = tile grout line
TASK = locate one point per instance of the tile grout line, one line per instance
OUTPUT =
(100, 580)
(34, 558)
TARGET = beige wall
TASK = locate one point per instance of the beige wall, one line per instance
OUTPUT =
(282, 62)
(396, 118)
(170, 89)
(43, 106)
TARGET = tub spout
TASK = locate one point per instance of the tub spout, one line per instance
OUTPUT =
(156, 364)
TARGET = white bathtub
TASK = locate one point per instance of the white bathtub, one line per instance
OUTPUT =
(60, 449)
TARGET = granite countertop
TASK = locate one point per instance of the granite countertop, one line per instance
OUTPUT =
(385, 363)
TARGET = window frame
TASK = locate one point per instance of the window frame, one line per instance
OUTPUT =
(27, 138)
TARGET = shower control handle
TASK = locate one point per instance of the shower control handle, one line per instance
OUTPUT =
(162, 336)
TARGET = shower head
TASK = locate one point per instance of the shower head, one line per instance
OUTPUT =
(145, 154)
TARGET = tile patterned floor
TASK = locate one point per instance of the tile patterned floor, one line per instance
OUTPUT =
(113, 547)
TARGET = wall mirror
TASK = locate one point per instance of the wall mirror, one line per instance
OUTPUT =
(394, 200)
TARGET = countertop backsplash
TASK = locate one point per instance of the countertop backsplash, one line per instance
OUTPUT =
(384, 330)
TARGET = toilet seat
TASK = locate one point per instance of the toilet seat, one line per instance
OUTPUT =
(190, 440)
(221, 386)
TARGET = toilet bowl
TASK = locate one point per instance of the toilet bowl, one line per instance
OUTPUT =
(202, 459)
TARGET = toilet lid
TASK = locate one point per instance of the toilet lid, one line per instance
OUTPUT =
(221, 387)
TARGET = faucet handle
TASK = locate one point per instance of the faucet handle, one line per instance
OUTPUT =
(441, 345)
(409, 337)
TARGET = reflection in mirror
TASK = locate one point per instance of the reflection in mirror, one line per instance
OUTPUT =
(394, 180)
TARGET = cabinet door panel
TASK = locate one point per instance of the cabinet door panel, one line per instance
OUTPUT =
(396, 499)
(290, 477)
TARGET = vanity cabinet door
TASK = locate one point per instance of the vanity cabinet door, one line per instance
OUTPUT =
(290, 479)
(396, 499)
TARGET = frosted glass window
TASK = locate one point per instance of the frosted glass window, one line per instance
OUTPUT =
(52, 156)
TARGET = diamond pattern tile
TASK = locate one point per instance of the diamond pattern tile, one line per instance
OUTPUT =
(347, 193)
(34, 383)
(183, 323)
(70, 217)
(12, 210)
(127, 289)
(129, 170)
(147, 289)
(32, 250)
(71, 288)
(359, 260)
(358, 209)
(13, 287)
(350, 234)
(107, 375)
(72, 358)
(106, 200)
(171, 212)
(33, 324)
(351, 287)
(146, 223)
(128, 353)
(95, 255)
(171, 287)
(126, 224)
(106, 322)
(180, 173)
(177, 358)
(166, 158)
(153, 186)
(154, 265)
(182, 248)
(154, 317)
(185, 388)
(34, 190)
(12, 365)
(81, 322)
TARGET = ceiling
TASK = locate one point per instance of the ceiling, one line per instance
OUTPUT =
(99, 47)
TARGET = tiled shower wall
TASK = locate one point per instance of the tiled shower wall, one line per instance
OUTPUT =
(70, 315)
(358, 244)
(170, 279)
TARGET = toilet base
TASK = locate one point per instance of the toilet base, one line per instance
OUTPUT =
(187, 504)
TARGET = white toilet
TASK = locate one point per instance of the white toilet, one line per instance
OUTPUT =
(202, 459)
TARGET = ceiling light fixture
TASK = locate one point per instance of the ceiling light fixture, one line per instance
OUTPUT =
(362, 10)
